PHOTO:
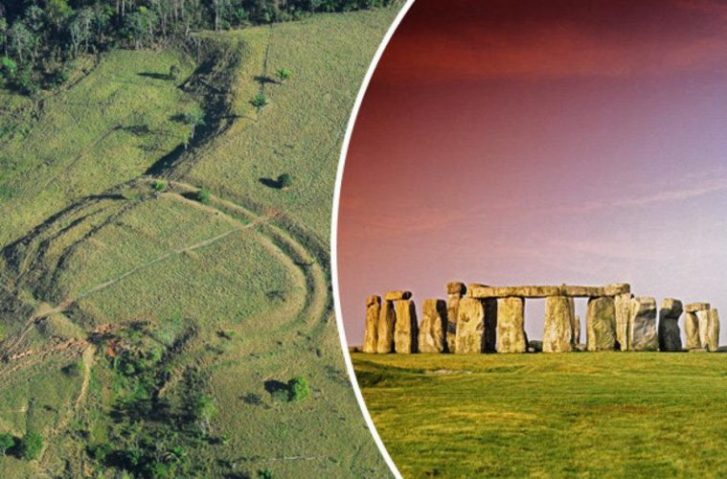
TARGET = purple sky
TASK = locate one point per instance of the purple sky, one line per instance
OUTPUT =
(519, 143)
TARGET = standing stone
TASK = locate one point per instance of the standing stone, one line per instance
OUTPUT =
(670, 338)
(575, 323)
(695, 332)
(387, 319)
(642, 325)
(703, 325)
(455, 291)
(433, 329)
(510, 336)
(601, 324)
(558, 328)
(371, 333)
(623, 304)
(405, 328)
(713, 331)
(470, 335)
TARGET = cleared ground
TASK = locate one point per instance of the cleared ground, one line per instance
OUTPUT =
(562, 415)
(128, 298)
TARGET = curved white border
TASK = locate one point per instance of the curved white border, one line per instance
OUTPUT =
(334, 236)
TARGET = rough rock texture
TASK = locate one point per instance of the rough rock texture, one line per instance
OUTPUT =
(558, 328)
(703, 326)
(406, 330)
(623, 304)
(601, 324)
(694, 307)
(433, 328)
(453, 299)
(371, 333)
(642, 326)
(387, 319)
(397, 295)
(713, 331)
(470, 336)
(691, 330)
(510, 336)
(483, 291)
(670, 338)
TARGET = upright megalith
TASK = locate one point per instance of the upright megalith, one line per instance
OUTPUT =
(406, 330)
(470, 335)
(387, 320)
(510, 337)
(712, 337)
(371, 333)
(455, 291)
(433, 328)
(670, 338)
(558, 328)
(601, 324)
(575, 322)
(623, 304)
(642, 325)
(694, 314)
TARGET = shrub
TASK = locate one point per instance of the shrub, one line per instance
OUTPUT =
(265, 474)
(203, 196)
(174, 72)
(72, 370)
(159, 185)
(30, 446)
(259, 100)
(7, 441)
(298, 389)
(284, 181)
(283, 74)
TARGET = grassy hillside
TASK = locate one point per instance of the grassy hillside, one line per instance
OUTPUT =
(159, 291)
(569, 415)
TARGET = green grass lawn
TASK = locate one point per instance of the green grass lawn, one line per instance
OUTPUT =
(561, 415)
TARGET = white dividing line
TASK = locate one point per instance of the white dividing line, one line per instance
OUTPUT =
(334, 238)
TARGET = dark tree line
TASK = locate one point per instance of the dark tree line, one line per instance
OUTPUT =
(39, 37)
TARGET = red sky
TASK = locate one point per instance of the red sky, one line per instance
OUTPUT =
(541, 142)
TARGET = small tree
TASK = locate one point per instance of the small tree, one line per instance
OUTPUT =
(283, 74)
(203, 196)
(7, 441)
(284, 181)
(259, 100)
(298, 389)
(30, 446)
(174, 72)
(159, 185)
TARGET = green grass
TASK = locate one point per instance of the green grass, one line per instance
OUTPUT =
(561, 415)
(233, 289)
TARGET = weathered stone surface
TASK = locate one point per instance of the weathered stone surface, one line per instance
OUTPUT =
(433, 328)
(642, 325)
(397, 295)
(616, 289)
(694, 307)
(483, 291)
(622, 304)
(670, 338)
(691, 330)
(601, 324)
(713, 331)
(558, 327)
(371, 333)
(406, 329)
(703, 326)
(385, 337)
(456, 287)
(575, 323)
(511, 325)
(470, 335)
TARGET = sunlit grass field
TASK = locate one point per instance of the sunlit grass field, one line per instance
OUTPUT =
(561, 415)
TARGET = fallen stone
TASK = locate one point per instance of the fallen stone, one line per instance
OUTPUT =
(535, 346)
(691, 330)
(406, 331)
(385, 337)
(456, 287)
(642, 325)
(397, 295)
(670, 338)
(371, 333)
(510, 337)
(601, 324)
(622, 304)
(713, 331)
(470, 335)
(433, 328)
(558, 325)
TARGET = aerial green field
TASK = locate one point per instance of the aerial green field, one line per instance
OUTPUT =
(560, 415)
(165, 300)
